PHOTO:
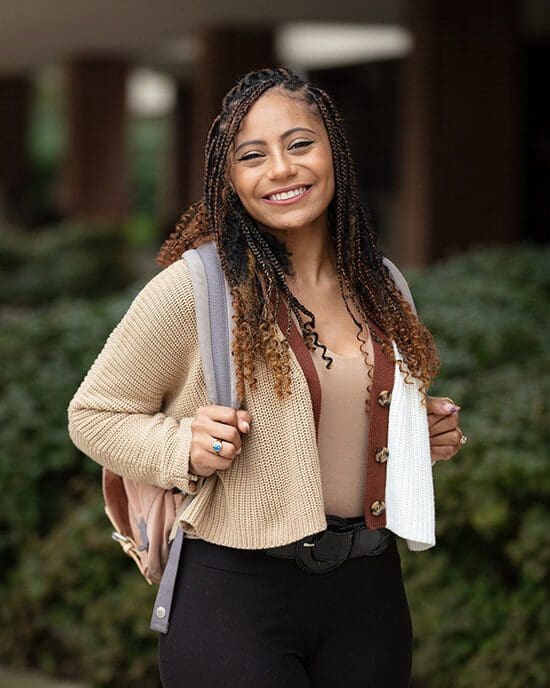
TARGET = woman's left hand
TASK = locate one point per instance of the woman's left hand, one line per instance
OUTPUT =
(446, 438)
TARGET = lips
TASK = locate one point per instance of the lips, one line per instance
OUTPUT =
(288, 194)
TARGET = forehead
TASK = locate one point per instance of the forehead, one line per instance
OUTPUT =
(275, 112)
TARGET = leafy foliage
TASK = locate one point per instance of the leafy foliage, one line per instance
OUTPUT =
(68, 261)
(480, 607)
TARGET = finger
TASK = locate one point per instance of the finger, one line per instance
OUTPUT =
(219, 414)
(440, 424)
(206, 441)
(451, 439)
(441, 406)
(244, 420)
(224, 432)
(212, 462)
(443, 453)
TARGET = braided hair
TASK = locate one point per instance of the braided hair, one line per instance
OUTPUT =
(256, 263)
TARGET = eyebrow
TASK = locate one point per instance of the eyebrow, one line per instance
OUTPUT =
(257, 142)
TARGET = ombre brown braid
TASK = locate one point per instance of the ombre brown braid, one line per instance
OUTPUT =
(256, 263)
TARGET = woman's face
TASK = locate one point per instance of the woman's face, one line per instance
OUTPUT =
(281, 164)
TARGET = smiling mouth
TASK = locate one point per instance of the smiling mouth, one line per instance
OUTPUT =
(286, 197)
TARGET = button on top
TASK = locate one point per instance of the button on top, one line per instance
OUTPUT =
(161, 612)
(384, 398)
(377, 507)
(382, 454)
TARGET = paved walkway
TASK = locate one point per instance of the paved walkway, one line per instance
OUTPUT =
(27, 679)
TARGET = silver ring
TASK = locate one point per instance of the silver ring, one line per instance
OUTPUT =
(463, 439)
(217, 446)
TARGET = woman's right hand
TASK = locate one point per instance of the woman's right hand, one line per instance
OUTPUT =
(213, 423)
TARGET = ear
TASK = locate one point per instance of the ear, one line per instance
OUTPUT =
(228, 180)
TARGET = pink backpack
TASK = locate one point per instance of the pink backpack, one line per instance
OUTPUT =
(144, 515)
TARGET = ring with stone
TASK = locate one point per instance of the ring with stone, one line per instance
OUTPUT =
(217, 446)
(463, 438)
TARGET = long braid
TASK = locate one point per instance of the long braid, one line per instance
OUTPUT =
(256, 264)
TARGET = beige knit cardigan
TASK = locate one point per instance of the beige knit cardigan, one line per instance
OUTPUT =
(133, 411)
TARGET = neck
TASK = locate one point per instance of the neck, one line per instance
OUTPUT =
(313, 255)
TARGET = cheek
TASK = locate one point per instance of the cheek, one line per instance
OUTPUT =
(244, 185)
(329, 176)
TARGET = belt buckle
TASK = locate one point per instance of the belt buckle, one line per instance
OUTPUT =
(332, 541)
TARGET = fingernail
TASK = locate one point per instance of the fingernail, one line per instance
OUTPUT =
(246, 426)
(451, 408)
(239, 450)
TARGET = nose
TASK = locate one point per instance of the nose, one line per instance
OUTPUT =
(280, 167)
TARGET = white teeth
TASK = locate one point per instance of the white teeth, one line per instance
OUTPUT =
(285, 195)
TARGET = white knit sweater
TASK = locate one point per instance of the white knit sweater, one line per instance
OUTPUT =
(410, 510)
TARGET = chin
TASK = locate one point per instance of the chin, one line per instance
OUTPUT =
(286, 225)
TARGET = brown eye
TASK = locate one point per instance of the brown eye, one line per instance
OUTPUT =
(301, 144)
(250, 156)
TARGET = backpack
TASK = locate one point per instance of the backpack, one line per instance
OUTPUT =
(142, 514)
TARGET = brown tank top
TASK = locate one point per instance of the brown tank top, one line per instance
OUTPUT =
(343, 431)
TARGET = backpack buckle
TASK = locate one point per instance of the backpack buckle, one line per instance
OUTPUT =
(119, 537)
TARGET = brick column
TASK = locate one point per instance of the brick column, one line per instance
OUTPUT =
(15, 95)
(96, 172)
(460, 130)
(178, 195)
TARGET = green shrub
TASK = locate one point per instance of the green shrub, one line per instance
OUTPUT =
(72, 604)
(480, 609)
(72, 260)
(88, 604)
(69, 600)
(46, 352)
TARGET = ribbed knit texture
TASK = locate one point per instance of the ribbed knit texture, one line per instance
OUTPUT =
(133, 410)
(410, 510)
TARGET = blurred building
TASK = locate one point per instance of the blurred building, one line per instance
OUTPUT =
(445, 103)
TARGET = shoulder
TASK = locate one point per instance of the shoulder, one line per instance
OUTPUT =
(172, 283)
(399, 281)
(166, 301)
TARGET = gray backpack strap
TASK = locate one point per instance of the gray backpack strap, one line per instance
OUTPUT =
(163, 601)
(213, 314)
(220, 327)
(400, 282)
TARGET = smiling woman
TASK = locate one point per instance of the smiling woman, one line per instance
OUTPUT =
(290, 573)
(281, 167)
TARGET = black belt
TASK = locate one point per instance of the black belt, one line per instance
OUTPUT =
(328, 549)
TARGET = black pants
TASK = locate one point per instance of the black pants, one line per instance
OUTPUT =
(243, 619)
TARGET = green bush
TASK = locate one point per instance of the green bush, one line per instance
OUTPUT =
(70, 260)
(480, 608)
(88, 604)
(47, 351)
(60, 567)
(72, 604)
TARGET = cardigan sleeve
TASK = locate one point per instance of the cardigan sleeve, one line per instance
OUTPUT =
(115, 416)
(400, 282)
